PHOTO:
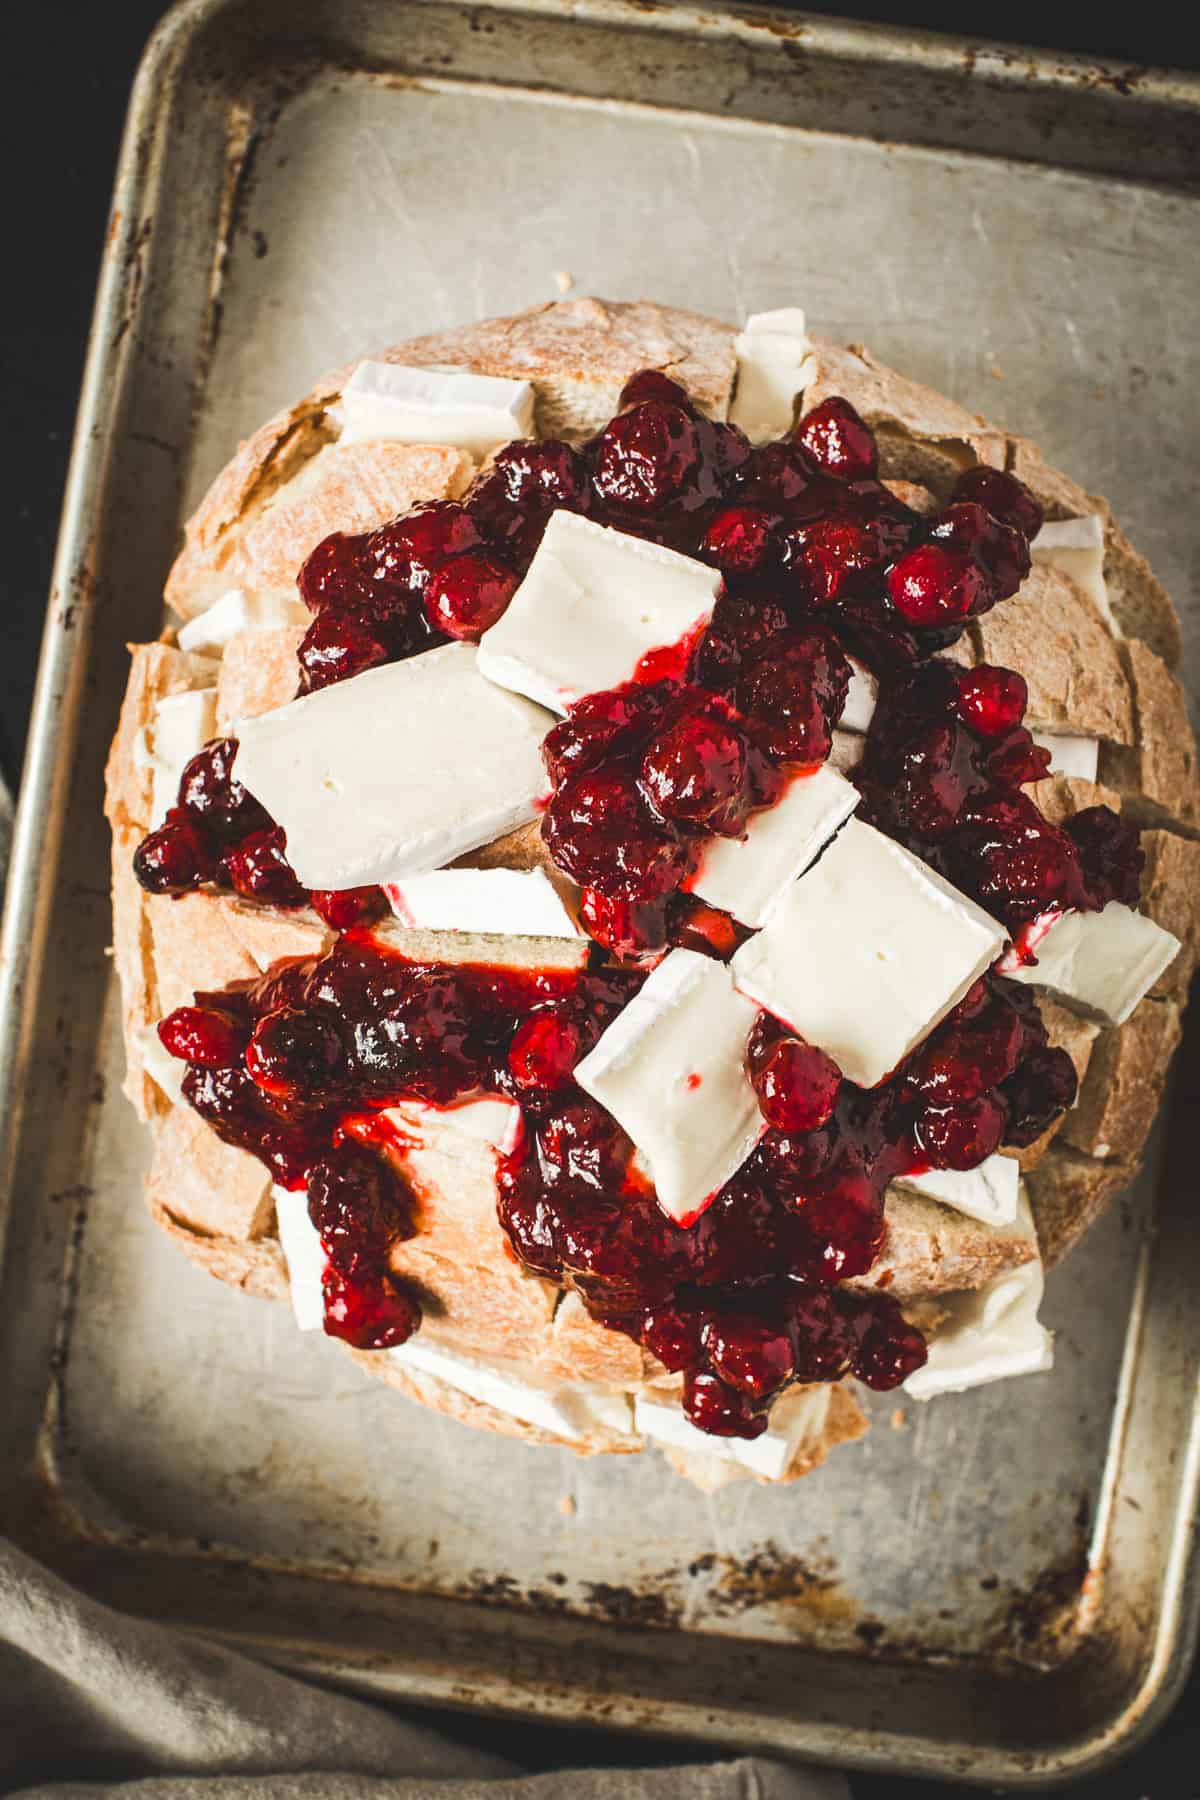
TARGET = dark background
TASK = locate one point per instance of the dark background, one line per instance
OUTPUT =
(65, 74)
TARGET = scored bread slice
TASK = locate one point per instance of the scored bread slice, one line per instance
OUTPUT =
(288, 486)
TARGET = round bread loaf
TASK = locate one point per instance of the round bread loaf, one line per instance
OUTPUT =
(1098, 665)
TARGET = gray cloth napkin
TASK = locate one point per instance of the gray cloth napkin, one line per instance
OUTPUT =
(93, 1703)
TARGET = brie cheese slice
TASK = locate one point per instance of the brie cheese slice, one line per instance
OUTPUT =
(396, 771)
(1075, 547)
(1076, 756)
(867, 952)
(671, 1068)
(989, 1192)
(486, 1120)
(516, 902)
(477, 413)
(209, 632)
(991, 1333)
(304, 1255)
(593, 603)
(1105, 962)
(570, 1412)
(795, 1419)
(748, 876)
(181, 726)
(165, 1071)
(775, 364)
(862, 697)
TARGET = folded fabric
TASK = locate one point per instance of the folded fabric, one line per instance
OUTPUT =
(95, 1703)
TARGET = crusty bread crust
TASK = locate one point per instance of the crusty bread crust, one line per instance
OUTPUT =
(289, 485)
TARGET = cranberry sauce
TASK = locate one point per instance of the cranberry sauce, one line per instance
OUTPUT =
(295, 1067)
(745, 1300)
(818, 560)
(217, 832)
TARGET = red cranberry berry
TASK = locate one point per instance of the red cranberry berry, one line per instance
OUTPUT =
(890, 1351)
(1039, 1092)
(346, 908)
(652, 384)
(213, 795)
(673, 1336)
(1007, 499)
(545, 1049)
(991, 700)
(294, 1055)
(259, 869)
(845, 1219)
(466, 596)
(752, 1353)
(195, 1034)
(797, 1085)
(607, 724)
(720, 1410)
(1110, 854)
(963, 1135)
(695, 771)
(838, 441)
(792, 692)
(835, 558)
(934, 586)
(358, 1207)
(175, 858)
(740, 540)
(645, 457)
(336, 647)
(334, 574)
(1000, 551)
(629, 928)
(406, 552)
(370, 1315)
(600, 831)
(542, 474)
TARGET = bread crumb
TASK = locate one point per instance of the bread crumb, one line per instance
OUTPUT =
(996, 372)
(564, 281)
(567, 1506)
(899, 1419)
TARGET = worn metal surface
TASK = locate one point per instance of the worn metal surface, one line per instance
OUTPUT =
(997, 1586)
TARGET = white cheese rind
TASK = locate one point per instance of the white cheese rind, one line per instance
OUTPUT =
(567, 1412)
(1075, 547)
(867, 952)
(517, 902)
(795, 1419)
(165, 1071)
(593, 603)
(209, 632)
(1075, 756)
(304, 1255)
(395, 771)
(486, 1120)
(181, 726)
(671, 1069)
(775, 364)
(990, 1334)
(391, 402)
(989, 1192)
(862, 697)
(748, 876)
(1104, 962)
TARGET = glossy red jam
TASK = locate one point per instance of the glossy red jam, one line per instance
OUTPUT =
(819, 561)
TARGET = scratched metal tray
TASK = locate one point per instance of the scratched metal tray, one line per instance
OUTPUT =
(999, 1586)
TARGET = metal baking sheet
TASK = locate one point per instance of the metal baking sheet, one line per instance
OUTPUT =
(998, 1586)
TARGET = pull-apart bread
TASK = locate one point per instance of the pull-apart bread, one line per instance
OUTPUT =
(655, 877)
